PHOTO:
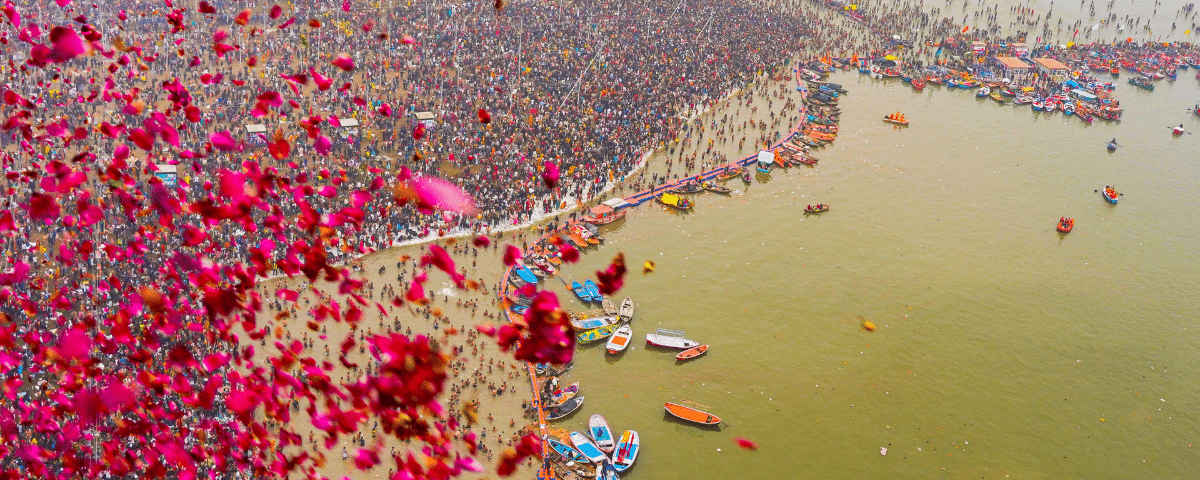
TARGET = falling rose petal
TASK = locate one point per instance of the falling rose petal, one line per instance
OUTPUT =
(243, 17)
(408, 40)
(66, 45)
(385, 110)
(484, 117)
(569, 254)
(550, 174)
(344, 62)
(419, 131)
(647, 267)
(511, 255)
(745, 444)
(276, 11)
(223, 141)
(345, 5)
(482, 241)
(441, 194)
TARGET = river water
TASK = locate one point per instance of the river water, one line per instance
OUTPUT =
(1002, 349)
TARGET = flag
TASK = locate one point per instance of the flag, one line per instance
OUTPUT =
(938, 52)
(965, 29)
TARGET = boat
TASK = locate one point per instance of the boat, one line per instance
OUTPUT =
(675, 201)
(729, 173)
(590, 323)
(983, 92)
(606, 471)
(1038, 105)
(804, 160)
(896, 119)
(626, 310)
(690, 414)
(582, 232)
(588, 448)
(627, 450)
(619, 339)
(603, 215)
(560, 397)
(746, 175)
(516, 280)
(1141, 82)
(595, 334)
(593, 290)
(609, 307)
(1112, 146)
(581, 292)
(669, 339)
(1068, 109)
(601, 434)
(567, 452)
(526, 274)
(1022, 100)
(687, 188)
(712, 187)
(1177, 130)
(1110, 194)
(1065, 225)
(918, 84)
(692, 353)
(818, 208)
(568, 407)
(997, 97)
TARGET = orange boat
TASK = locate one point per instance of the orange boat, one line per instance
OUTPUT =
(1065, 225)
(692, 415)
(692, 352)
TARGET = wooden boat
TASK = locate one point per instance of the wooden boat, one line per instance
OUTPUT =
(675, 201)
(1177, 130)
(712, 187)
(998, 98)
(525, 273)
(669, 339)
(592, 290)
(602, 215)
(1110, 194)
(560, 396)
(619, 339)
(983, 92)
(746, 175)
(567, 452)
(897, 121)
(595, 334)
(516, 280)
(588, 448)
(587, 235)
(601, 434)
(818, 208)
(692, 353)
(807, 160)
(627, 450)
(626, 311)
(593, 322)
(567, 408)
(690, 414)
(581, 292)
(606, 471)
(1065, 225)
(687, 189)
(609, 307)
(729, 173)
(1112, 146)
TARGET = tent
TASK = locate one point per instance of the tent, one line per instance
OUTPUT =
(256, 134)
(766, 157)
(169, 174)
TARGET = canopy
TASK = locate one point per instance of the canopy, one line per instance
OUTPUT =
(1084, 94)
(766, 157)
(670, 199)
(256, 128)
(348, 122)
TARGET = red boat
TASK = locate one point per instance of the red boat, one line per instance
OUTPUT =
(918, 84)
(1065, 225)
(603, 214)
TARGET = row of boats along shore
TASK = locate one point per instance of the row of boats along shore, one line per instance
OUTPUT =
(599, 452)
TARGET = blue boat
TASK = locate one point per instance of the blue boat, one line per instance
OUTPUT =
(520, 309)
(525, 274)
(587, 448)
(567, 452)
(627, 451)
(592, 290)
(864, 70)
(581, 292)
(1110, 194)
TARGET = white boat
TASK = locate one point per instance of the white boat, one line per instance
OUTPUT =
(670, 339)
(606, 471)
(983, 91)
(588, 448)
(620, 339)
(1178, 130)
(601, 434)
(593, 322)
(627, 451)
(608, 306)
(627, 308)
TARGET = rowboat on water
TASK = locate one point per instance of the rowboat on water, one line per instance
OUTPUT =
(1112, 146)
(619, 339)
(983, 92)
(729, 173)
(526, 274)
(670, 339)
(606, 471)
(626, 311)
(690, 414)
(900, 120)
(692, 353)
(592, 290)
(627, 450)
(568, 407)
(608, 306)
(601, 434)
(581, 292)
(1065, 225)
(746, 175)
(563, 398)
(1110, 194)
(672, 200)
(714, 188)
(596, 334)
(818, 208)
(515, 279)
(687, 188)
(568, 452)
(588, 448)
(593, 322)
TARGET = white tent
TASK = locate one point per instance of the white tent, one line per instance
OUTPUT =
(766, 157)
